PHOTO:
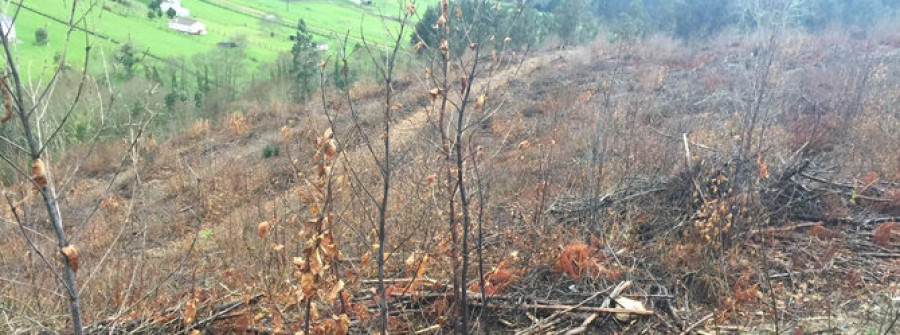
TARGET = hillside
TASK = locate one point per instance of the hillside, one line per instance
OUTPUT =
(555, 167)
(609, 166)
(109, 24)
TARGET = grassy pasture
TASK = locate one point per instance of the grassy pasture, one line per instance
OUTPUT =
(113, 23)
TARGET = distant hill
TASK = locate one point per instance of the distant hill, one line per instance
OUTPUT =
(263, 27)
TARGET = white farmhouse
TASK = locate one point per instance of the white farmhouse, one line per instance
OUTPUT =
(176, 5)
(7, 27)
(187, 26)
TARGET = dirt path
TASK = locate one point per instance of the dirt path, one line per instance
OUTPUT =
(406, 129)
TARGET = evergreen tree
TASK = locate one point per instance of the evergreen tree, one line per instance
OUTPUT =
(40, 36)
(303, 67)
(127, 57)
(198, 99)
(527, 27)
(342, 76)
(573, 21)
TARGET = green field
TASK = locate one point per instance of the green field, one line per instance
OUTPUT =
(126, 20)
(327, 18)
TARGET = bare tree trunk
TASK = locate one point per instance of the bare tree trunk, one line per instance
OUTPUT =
(47, 191)
(387, 74)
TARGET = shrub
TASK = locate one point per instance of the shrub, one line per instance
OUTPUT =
(237, 124)
(200, 127)
(578, 260)
(271, 150)
(41, 36)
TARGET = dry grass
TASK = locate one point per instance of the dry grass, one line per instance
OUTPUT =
(187, 228)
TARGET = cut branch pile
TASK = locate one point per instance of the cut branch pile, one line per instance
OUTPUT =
(176, 320)
(800, 191)
(557, 315)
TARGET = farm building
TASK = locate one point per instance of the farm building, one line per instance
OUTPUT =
(176, 5)
(7, 27)
(187, 26)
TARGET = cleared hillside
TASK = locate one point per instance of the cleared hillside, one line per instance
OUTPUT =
(600, 166)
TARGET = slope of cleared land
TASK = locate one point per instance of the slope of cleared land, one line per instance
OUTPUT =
(605, 165)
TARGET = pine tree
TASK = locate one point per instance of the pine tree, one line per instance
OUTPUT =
(127, 57)
(573, 21)
(303, 67)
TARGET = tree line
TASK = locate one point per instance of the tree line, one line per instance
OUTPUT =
(690, 19)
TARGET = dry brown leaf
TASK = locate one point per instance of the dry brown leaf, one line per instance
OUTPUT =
(763, 168)
(71, 254)
(39, 173)
(307, 284)
(479, 103)
(263, 229)
(190, 312)
(411, 8)
(587, 95)
(434, 93)
(523, 145)
(330, 148)
(286, 132)
(342, 324)
(364, 260)
(335, 290)
(420, 271)
(313, 311)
